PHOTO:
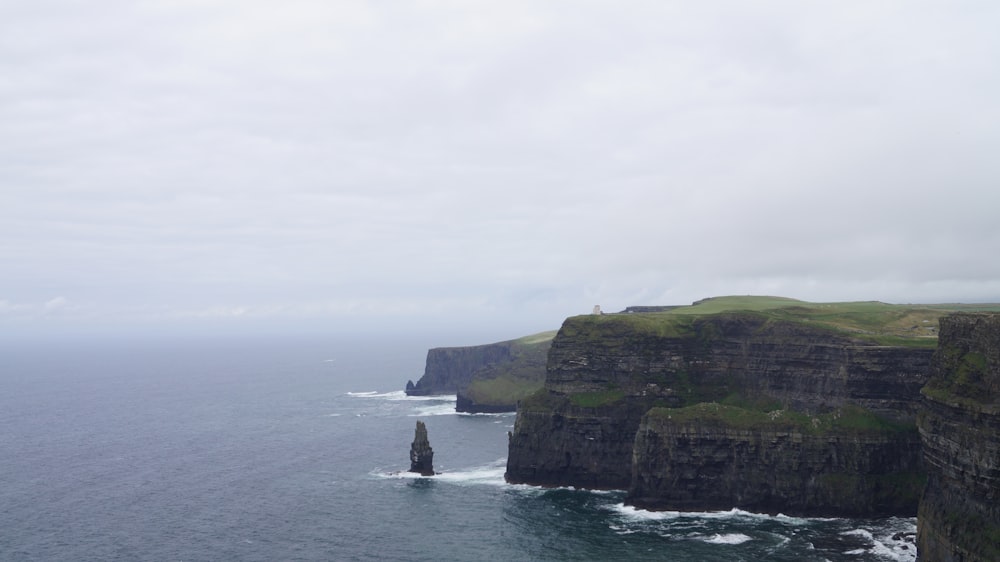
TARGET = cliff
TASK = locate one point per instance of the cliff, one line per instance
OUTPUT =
(616, 409)
(714, 457)
(959, 423)
(486, 378)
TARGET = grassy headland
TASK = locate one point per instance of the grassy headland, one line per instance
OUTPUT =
(506, 383)
(876, 322)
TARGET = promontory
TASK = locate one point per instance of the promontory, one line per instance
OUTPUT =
(776, 405)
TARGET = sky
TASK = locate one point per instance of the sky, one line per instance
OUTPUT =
(487, 168)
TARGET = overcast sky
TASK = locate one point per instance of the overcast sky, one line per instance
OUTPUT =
(333, 165)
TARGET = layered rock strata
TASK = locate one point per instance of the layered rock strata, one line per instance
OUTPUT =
(421, 454)
(449, 369)
(959, 517)
(486, 378)
(606, 372)
(714, 457)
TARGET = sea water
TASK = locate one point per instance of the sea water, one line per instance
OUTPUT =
(288, 449)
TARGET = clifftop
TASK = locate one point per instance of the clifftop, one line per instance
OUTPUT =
(490, 377)
(763, 403)
(871, 322)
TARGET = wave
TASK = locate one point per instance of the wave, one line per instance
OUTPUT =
(481, 475)
(489, 474)
(447, 409)
(727, 538)
(894, 542)
(400, 395)
(635, 513)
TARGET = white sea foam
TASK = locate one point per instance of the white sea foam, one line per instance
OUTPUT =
(886, 546)
(728, 538)
(622, 530)
(446, 409)
(490, 474)
(400, 395)
(734, 513)
(797, 520)
(631, 512)
(861, 533)
(487, 415)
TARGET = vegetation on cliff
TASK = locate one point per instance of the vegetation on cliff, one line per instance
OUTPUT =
(959, 424)
(965, 368)
(877, 323)
(729, 385)
(849, 419)
(501, 385)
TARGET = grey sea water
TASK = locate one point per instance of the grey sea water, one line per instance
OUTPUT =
(293, 450)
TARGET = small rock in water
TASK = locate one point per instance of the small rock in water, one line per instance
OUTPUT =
(421, 454)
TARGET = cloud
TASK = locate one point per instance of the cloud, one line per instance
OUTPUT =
(254, 161)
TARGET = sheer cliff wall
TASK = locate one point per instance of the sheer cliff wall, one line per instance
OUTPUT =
(449, 369)
(605, 373)
(486, 378)
(959, 423)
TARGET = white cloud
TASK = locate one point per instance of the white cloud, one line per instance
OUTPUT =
(255, 160)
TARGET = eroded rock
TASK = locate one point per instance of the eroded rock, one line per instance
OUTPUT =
(421, 454)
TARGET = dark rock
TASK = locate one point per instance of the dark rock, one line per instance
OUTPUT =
(421, 454)
(450, 368)
(486, 378)
(709, 463)
(959, 518)
(465, 404)
(606, 372)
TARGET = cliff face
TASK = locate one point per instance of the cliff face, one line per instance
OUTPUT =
(605, 373)
(772, 464)
(557, 443)
(959, 423)
(486, 378)
(450, 368)
(708, 358)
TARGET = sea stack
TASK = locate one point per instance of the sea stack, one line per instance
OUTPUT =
(421, 454)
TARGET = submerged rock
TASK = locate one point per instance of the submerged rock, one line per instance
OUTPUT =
(421, 454)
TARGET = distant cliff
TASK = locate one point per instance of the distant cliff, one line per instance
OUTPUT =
(770, 411)
(959, 424)
(486, 378)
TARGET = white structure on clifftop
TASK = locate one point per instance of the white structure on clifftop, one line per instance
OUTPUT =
(597, 309)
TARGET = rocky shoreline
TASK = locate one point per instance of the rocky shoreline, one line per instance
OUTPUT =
(747, 411)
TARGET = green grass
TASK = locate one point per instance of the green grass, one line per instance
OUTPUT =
(535, 339)
(850, 419)
(502, 390)
(874, 322)
(507, 382)
(596, 399)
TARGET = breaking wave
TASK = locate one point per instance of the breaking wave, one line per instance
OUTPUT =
(728, 538)
(400, 395)
(489, 474)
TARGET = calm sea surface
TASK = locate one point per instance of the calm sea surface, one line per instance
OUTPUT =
(264, 450)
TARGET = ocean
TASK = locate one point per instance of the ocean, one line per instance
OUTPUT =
(290, 449)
